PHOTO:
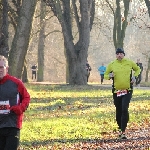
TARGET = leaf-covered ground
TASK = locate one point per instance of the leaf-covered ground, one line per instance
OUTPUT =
(138, 139)
(138, 134)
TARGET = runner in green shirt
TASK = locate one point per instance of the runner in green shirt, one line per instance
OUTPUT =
(123, 73)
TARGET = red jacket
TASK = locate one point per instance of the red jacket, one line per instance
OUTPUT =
(12, 93)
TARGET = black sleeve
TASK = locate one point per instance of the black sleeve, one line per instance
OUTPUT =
(141, 67)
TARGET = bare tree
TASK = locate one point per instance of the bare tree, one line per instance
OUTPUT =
(41, 42)
(120, 23)
(147, 2)
(21, 38)
(14, 10)
(76, 52)
(140, 21)
(120, 10)
(4, 48)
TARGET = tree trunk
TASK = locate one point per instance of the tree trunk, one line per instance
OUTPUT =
(148, 6)
(147, 70)
(76, 53)
(40, 72)
(24, 75)
(67, 67)
(21, 39)
(4, 48)
(120, 24)
(146, 76)
(1, 22)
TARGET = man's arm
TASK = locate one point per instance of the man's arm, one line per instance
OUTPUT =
(104, 69)
(136, 69)
(107, 73)
(141, 67)
(25, 99)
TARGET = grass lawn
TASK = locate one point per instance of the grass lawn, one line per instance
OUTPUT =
(63, 115)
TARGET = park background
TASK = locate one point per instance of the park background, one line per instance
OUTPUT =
(101, 48)
(77, 116)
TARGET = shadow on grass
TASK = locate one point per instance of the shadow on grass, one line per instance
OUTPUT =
(140, 142)
(65, 87)
(82, 103)
(71, 104)
(77, 104)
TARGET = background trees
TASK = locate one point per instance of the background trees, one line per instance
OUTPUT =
(4, 49)
(21, 38)
(120, 23)
(41, 42)
(65, 34)
(76, 51)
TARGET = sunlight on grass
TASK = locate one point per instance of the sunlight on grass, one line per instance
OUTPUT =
(60, 114)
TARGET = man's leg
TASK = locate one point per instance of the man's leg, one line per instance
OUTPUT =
(125, 114)
(32, 76)
(118, 104)
(2, 140)
(137, 80)
(35, 75)
(102, 78)
(88, 76)
(12, 139)
(140, 78)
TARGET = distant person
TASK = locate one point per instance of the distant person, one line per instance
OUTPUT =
(14, 100)
(34, 70)
(102, 70)
(88, 68)
(120, 71)
(139, 77)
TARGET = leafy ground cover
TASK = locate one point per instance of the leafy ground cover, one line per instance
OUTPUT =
(68, 117)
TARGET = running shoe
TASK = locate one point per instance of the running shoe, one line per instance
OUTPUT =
(122, 136)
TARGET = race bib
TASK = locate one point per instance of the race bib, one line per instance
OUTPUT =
(4, 107)
(33, 69)
(121, 92)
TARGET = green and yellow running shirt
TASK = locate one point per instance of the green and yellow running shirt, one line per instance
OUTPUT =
(122, 70)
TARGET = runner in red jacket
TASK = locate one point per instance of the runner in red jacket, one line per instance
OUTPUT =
(14, 100)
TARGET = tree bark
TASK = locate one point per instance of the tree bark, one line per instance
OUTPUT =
(4, 48)
(40, 72)
(120, 24)
(21, 39)
(76, 53)
(148, 6)
(24, 75)
(148, 68)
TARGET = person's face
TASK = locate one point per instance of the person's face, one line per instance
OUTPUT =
(3, 69)
(119, 56)
(138, 60)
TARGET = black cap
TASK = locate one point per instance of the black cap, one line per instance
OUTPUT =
(120, 50)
